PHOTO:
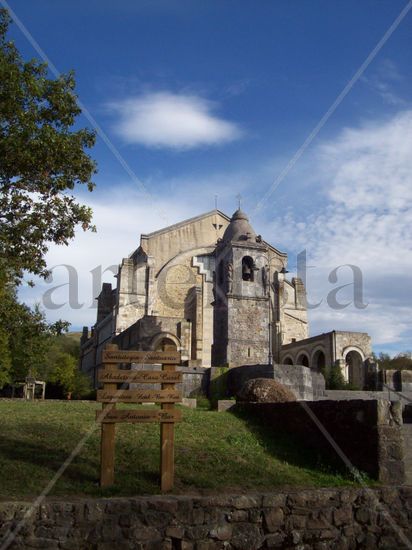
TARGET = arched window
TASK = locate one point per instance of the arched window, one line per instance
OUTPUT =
(247, 269)
(303, 360)
(319, 361)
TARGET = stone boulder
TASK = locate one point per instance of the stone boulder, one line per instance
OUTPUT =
(265, 390)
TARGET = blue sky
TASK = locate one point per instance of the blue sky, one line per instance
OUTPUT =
(203, 98)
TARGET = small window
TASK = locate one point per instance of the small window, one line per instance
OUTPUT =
(248, 352)
(247, 269)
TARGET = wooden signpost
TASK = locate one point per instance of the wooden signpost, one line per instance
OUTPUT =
(110, 375)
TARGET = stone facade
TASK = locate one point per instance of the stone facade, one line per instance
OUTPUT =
(241, 306)
(351, 351)
(218, 292)
(164, 292)
(290, 315)
(319, 519)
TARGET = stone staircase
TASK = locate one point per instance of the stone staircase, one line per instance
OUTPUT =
(407, 441)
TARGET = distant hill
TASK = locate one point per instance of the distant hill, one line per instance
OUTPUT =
(74, 335)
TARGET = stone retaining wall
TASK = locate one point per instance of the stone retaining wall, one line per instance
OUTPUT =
(303, 519)
(368, 432)
(305, 383)
(398, 380)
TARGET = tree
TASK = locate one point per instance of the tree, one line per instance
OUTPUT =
(41, 161)
(5, 357)
(60, 327)
(31, 346)
(24, 337)
(334, 379)
(67, 375)
(402, 361)
(61, 366)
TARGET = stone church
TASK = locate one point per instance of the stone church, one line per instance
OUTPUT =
(219, 292)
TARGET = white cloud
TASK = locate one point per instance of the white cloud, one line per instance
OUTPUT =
(168, 120)
(384, 82)
(119, 225)
(371, 166)
(366, 178)
(358, 210)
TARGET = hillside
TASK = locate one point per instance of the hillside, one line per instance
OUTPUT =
(214, 451)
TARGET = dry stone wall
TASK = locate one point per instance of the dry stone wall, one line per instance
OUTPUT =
(320, 519)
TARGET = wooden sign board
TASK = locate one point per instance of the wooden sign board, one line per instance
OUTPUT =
(138, 396)
(115, 375)
(143, 357)
(109, 375)
(137, 415)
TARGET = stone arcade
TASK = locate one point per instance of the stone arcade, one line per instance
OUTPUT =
(219, 292)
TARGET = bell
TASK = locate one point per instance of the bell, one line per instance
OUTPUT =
(247, 272)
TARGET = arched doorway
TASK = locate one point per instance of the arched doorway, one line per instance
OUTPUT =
(319, 361)
(165, 342)
(166, 345)
(303, 359)
(354, 364)
(287, 361)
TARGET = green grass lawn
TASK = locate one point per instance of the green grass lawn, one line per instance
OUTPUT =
(213, 451)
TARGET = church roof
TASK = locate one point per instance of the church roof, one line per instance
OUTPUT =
(239, 217)
(186, 222)
(239, 228)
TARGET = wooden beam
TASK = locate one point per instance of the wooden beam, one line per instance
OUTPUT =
(137, 376)
(110, 355)
(138, 396)
(139, 415)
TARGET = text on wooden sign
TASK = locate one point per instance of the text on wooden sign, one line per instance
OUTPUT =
(148, 357)
(138, 396)
(139, 416)
(143, 377)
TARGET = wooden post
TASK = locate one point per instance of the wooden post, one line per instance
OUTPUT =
(167, 431)
(107, 445)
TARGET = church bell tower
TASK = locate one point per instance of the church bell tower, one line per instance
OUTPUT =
(241, 292)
